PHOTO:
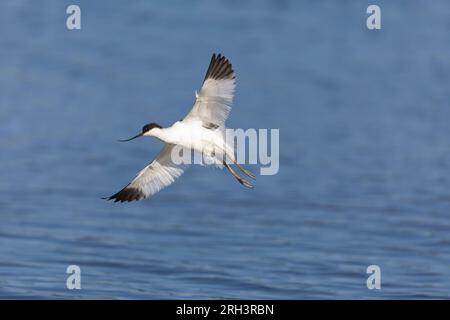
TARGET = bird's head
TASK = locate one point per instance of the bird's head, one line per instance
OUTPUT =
(148, 130)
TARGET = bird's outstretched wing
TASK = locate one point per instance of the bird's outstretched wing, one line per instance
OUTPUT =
(214, 99)
(160, 173)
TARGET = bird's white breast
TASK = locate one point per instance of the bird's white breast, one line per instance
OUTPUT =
(192, 134)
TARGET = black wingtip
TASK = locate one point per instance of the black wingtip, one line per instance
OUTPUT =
(127, 194)
(219, 68)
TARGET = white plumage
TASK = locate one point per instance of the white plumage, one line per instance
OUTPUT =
(213, 103)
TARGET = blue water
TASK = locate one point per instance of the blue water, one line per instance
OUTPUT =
(364, 150)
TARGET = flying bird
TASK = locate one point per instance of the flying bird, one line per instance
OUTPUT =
(202, 130)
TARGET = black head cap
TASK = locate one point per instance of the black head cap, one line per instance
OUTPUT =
(150, 126)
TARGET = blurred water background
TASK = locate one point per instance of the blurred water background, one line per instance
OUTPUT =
(364, 150)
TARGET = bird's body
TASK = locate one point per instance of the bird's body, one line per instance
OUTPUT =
(202, 130)
(191, 134)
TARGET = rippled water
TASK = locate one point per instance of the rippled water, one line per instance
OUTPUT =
(364, 150)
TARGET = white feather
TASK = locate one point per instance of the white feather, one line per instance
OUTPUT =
(160, 173)
(213, 103)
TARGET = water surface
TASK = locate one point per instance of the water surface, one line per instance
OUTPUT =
(364, 150)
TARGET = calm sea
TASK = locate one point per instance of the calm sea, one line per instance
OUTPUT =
(364, 173)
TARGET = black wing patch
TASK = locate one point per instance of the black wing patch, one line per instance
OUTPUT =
(219, 68)
(209, 125)
(127, 194)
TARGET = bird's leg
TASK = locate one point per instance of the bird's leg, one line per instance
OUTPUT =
(248, 173)
(245, 171)
(244, 182)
